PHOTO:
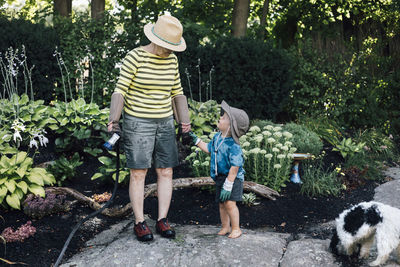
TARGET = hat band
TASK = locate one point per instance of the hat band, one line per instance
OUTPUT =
(159, 37)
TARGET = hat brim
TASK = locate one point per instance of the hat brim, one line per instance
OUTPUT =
(234, 129)
(154, 39)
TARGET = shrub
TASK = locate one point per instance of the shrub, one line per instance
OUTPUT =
(317, 181)
(17, 177)
(108, 169)
(64, 168)
(23, 232)
(40, 42)
(204, 116)
(38, 207)
(249, 199)
(305, 140)
(327, 129)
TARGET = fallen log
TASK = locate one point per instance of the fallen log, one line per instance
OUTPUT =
(151, 190)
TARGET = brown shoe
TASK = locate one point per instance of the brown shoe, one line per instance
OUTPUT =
(164, 229)
(143, 232)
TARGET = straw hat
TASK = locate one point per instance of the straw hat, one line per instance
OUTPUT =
(167, 33)
(238, 119)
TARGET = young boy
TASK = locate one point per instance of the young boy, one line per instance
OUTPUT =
(226, 166)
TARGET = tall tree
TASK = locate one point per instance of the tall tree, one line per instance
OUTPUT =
(240, 15)
(97, 8)
(63, 7)
(264, 14)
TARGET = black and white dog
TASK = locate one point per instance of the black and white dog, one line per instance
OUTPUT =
(357, 227)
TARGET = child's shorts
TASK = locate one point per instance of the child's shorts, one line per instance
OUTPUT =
(237, 189)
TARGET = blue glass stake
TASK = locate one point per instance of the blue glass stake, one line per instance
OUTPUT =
(295, 177)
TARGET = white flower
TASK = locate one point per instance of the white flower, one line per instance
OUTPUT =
(246, 144)
(268, 127)
(271, 140)
(277, 166)
(278, 145)
(4, 137)
(205, 163)
(267, 133)
(275, 149)
(285, 148)
(255, 129)
(33, 143)
(17, 135)
(263, 151)
(197, 149)
(249, 134)
(255, 150)
(287, 134)
(281, 156)
(196, 163)
(269, 156)
(278, 134)
(258, 138)
(243, 139)
(277, 129)
(288, 143)
(289, 156)
(292, 149)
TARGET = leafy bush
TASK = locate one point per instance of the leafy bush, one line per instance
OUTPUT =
(305, 140)
(17, 177)
(38, 207)
(319, 182)
(347, 147)
(40, 42)
(204, 116)
(249, 199)
(64, 168)
(327, 129)
(80, 126)
(24, 123)
(366, 164)
(108, 169)
(268, 155)
(23, 232)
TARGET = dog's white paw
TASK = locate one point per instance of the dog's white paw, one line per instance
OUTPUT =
(364, 255)
(375, 263)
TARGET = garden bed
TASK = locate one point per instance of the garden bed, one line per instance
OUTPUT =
(290, 213)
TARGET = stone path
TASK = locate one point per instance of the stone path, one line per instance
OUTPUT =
(200, 246)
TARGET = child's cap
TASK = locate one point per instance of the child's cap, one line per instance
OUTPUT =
(238, 119)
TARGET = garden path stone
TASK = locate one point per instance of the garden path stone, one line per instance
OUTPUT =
(198, 245)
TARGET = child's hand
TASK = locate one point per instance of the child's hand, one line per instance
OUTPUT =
(226, 190)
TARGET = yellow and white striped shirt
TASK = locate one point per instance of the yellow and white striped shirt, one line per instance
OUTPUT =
(148, 82)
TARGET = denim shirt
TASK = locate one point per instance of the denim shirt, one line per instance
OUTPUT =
(228, 154)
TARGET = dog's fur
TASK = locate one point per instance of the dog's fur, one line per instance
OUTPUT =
(357, 227)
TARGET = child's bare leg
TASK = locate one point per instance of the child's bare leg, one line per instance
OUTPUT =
(224, 220)
(233, 213)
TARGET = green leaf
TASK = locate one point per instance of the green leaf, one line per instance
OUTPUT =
(13, 201)
(36, 177)
(21, 171)
(49, 179)
(19, 193)
(10, 185)
(20, 157)
(96, 175)
(3, 191)
(105, 160)
(37, 190)
(23, 185)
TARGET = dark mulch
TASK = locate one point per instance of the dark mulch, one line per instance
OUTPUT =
(291, 213)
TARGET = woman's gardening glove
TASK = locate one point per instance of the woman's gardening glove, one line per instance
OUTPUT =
(226, 190)
(117, 104)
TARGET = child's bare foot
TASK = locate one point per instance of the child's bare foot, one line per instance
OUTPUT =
(235, 233)
(224, 231)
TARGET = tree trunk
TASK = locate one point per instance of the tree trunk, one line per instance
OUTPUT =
(97, 8)
(240, 16)
(151, 189)
(62, 7)
(263, 20)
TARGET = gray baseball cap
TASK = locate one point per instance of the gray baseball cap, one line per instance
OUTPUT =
(238, 119)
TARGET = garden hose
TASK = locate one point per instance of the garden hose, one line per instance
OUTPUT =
(93, 213)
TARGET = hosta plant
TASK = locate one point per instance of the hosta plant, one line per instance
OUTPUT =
(347, 147)
(18, 177)
(108, 169)
(65, 168)
(204, 116)
(249, 199)
(37, 207)
(81, 126)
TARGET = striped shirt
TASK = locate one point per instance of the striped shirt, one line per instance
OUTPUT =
(148, 82)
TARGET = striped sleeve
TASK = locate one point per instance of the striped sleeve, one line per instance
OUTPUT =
(128, 70)
(177, 87)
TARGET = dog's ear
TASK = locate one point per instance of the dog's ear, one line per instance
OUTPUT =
(334, 243)
(373, 216)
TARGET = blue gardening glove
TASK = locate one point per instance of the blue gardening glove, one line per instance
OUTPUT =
(226, 190)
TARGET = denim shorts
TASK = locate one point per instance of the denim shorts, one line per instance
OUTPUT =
(237, 189)
(150, 140)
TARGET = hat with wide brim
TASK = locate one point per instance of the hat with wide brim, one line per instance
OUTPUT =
(167, 33)
(238, 119)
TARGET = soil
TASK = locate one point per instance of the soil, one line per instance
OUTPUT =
(290, 213)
